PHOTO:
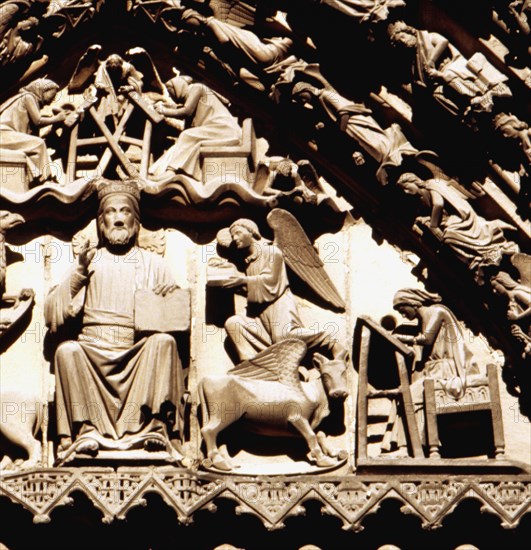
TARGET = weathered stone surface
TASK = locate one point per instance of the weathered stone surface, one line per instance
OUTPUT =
(281, 194)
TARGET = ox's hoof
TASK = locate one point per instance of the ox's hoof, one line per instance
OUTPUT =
(219, 462)
(33, 461)
(323, 461)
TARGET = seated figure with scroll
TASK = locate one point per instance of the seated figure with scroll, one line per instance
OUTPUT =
(476, 241)
(117, 389)
(461, 85)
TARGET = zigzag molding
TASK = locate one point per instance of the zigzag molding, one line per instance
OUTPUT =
(349, 498)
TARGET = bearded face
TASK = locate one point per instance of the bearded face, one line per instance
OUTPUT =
(118, 222)
(407, 38)
(400, 33)
(118, 236)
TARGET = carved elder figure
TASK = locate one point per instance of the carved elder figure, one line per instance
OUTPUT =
(115, 391)
(269, 54)
(20, 118)
(518, 295)
(208, 122)
(387, 147)
(471, 84)
(476, 241)
(272, 313)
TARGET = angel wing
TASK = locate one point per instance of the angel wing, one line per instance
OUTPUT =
(142, 62)
(85, 70)
(278, 363)
(522, 262)
(302, 257)
(235, 12)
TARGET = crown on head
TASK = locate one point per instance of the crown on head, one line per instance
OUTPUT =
(129, 188)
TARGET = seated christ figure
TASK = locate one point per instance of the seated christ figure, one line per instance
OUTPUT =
(114, 390)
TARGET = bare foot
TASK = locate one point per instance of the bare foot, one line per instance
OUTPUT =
(88, 446)
(65, 444)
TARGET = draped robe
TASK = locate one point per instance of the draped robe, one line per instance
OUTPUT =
(17, 133)
(108, 382)
(272, 313)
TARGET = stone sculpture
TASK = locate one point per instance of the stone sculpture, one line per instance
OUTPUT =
(65, 15)
(112, 79)
(130, 389)
(388, 147)
(514, 18)
(119, 99)
(18, 28)
(476, 241)
(21, 422)
(121, 135)
(460, 85)
(372, 11)
(447, 358)
(20, 116)
(281, 177)
(22, 40)
(207, 122)
(21, 411)
(272, 313)
(518, 296)
(520, 10)
(511, 127)
(252, 383)
(7, 221)
(267, 55)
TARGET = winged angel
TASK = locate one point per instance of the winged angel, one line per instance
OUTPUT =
(272, 313)
(109, 80)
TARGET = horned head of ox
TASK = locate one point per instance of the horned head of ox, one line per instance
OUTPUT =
(333, 373)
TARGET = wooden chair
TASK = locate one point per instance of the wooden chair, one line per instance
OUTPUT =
(234, 162)
(14, 173)
(482, 394)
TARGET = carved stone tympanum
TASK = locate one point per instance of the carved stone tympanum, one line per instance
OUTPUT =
(327, 305)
